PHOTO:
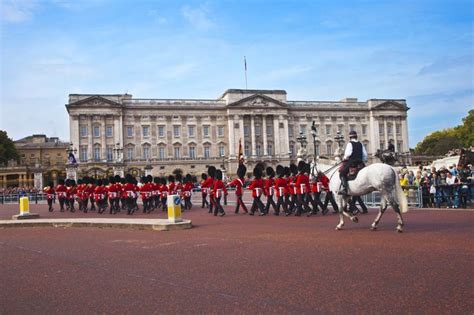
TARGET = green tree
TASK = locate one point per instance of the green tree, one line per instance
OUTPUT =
(7, 149)
(440, 142)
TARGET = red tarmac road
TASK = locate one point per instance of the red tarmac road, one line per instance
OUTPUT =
(242, 264)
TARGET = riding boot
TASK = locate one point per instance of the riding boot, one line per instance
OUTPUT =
(343, 190)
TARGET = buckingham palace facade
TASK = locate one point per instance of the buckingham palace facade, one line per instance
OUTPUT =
(162, 135)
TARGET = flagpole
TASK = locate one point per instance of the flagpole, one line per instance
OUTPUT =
(245, 66)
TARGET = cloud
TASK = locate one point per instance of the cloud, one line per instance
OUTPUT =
(17, 11)
(445, 64)
(198, 17)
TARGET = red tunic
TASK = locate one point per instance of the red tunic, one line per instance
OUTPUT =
(268, 189)
(99, 193)
(302, 184)
(238, 183)
(129, 190)
(219, 189)
(281, 187)
(61, 191)
(187, 189)
(257, 187)
(324, 180)
(207, 185)
(49, 191)
(164, 191)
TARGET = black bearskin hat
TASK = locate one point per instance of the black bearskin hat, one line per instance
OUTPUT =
(79, 181)
(294, 169)
(179, 177)
(163, 180)
(257, 172)
(61, 181)
(111, 180)
(270, 172)
(194, 179)
(156, 180)
(301, 166)
(105, 181)
(307, 168)
(204, 176)
(211, 171)
(280, 170)
(117, 178)
(241, 170)
(129, 178)
(287, 171)
(171, 179)
(187, 178)
(99, 182)
(218, 174)
(143, 180)
(149, 179)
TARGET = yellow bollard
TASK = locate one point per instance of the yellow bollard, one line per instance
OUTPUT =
(24, 206)
(174, 208)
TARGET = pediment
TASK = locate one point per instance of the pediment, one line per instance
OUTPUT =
(391, 105)
(95, 101)
(258, 101)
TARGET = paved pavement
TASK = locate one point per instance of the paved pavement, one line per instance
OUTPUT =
(241, 264)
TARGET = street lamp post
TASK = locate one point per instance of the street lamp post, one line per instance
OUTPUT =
(339, 140)
(119, 168)
(118, 153)
(71, 165)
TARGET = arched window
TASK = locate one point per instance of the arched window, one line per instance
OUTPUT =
(97, 152)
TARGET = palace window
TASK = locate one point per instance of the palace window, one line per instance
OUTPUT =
(190, 131)
(382, 145)
(83, 131)
(83, 153)
(381, 129)
(109, 131)
(130, 155)
(161, 131)
(177, 152)
(398, 128)
(258, 150)
(145, 131)
(317, 149)
(352, 128)
(221, 150)
(269, 130)
(328, 130)
(129, 131)
(176, 131)
(303, 129)
(258, 131)
(220, 131)
(270, 149)
(192, 152)
(290, 131)
(96, 131)
(146, 152)
(247, 150)
(207, 152)
(205, 131)
(161, 152)
(292, 149)
(97, 153)
(329, 148)
(389, 129)
(364, 130)
(246, 131)
(399, 146)
(110, 153)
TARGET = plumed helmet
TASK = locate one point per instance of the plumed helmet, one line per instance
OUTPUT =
(293, 169)
(257, 172)
(352, 134)
(280, 170)
(301, 166)
(270, 172)
(211, 171)
(219, 174)
(241, 170)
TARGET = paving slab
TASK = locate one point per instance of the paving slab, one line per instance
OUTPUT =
(139, 224)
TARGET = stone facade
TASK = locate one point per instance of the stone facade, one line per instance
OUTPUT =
(170, 134)
(38, 154)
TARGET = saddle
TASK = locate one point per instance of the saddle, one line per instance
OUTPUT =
(354, 170)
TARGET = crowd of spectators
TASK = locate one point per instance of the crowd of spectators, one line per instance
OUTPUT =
(452, 187)
(18, 190)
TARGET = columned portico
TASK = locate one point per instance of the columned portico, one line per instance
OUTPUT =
(264, 133)
(252, 135)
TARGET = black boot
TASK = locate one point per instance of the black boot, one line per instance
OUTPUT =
(343, 189)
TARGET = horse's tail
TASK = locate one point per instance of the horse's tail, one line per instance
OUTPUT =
(401, 198)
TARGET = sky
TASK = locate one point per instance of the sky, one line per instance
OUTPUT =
(421, 51)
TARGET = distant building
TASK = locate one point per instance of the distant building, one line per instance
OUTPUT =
(190, 134)
(37, 152)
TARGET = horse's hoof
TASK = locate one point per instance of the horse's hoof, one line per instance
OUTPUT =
(355, 219)
(399, 230)
(338, 228)
(373, 228)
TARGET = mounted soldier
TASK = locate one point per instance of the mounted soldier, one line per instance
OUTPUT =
(354, 157)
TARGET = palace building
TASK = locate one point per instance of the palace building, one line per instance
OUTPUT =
(159, 136)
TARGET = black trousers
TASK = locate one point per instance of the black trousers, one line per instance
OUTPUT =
(217, 206)
(330, 198)
(281, 203)
(257, 203)
(270, 202)
(240, 203)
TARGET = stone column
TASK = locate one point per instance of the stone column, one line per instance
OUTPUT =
(395, 138)
(38, 179)
(231, 136)
(286, 138)
(252, 131)
(264, 133)
(242, 134)
(71, 171)
(404, 133)
(373, 134)
(120, 131)
(385, 133)
(74, 130)
(89, 139)
(103, 142)
(276, 136)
